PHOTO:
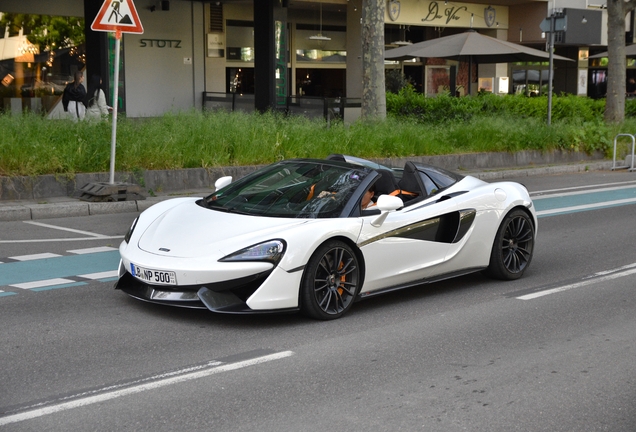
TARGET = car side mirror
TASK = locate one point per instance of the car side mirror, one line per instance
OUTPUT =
(222, 182)
(389, 203)
(386, 204)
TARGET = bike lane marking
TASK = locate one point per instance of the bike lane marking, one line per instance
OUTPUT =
(34, 256)
(87, 233)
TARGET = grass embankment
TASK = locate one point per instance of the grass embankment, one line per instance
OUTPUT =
(31, 145)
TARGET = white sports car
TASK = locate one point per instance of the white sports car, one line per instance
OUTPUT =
(300, 235)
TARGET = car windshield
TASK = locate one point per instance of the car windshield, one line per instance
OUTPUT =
(294, 189)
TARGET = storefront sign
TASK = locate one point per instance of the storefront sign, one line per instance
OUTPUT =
(160, 43)
(447, 14)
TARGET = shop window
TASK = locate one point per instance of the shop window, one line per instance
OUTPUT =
(597, 83)
(321, 56)
(240, 40)
(327, 45)
(531, 82)
(437, 80)
(321, 82)
(239, 80)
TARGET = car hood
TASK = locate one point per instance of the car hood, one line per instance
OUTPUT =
(189, 230)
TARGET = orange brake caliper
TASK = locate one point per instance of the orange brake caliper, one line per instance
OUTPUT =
(343, 278)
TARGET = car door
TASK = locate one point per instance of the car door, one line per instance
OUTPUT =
(408, 245)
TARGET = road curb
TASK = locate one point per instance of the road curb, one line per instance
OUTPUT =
(201, 184)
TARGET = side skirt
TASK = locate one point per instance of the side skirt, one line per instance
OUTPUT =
(438, 278)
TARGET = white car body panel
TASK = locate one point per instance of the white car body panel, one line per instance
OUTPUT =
(280, 291)
(395, 260)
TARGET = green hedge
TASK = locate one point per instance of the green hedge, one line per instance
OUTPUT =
(444, 108)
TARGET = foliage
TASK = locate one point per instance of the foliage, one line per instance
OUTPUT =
(444, 108)
(395, 80)
(33, 145)
(47, 32)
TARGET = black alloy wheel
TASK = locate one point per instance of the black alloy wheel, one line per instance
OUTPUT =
(330, 282)
(513, 247)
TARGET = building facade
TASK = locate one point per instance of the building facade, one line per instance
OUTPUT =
(191, 50)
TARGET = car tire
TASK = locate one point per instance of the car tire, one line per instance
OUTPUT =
(513, 247)
(331, 281)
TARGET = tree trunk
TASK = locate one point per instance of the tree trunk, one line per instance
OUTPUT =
(373, 87)
(615, 99)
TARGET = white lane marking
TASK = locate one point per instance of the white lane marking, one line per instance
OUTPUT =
(35, 256)
(161, 381)
(42, 283)
(63, 239)
(599, 187)
(88, 233)
(92, 250)
(100, 275)
(606, 272)
(583, 283)
(586, 206)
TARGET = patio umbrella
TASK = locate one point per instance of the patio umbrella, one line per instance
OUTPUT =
(630, 52)
(481, 49)
(472, 46)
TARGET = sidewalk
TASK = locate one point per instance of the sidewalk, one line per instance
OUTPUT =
(173, 185)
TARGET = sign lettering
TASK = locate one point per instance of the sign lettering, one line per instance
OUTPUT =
(451, 13)
(160, 43)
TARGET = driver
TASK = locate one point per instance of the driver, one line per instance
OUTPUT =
(367, 201)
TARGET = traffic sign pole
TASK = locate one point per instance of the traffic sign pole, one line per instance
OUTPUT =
(118, 16)
(551, 25)
(126, 21)
(113, 142)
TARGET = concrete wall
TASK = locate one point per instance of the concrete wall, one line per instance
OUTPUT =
(519, 30)
(164, 66)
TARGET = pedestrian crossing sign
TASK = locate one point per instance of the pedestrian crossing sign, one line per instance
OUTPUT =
(117, 16)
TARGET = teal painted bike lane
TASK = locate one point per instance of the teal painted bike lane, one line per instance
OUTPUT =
(584, 201)
(57, 267)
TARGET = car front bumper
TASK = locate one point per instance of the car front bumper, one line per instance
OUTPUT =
(258, 293)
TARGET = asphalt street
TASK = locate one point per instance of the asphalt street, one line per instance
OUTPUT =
(552, 351)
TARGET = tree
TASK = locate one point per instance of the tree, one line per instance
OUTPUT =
(617, 10)
(373, 90)
(48, 33)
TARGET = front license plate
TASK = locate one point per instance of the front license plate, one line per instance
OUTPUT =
(153, 276)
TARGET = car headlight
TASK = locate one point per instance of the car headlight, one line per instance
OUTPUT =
(130, 231)
(270, 251)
